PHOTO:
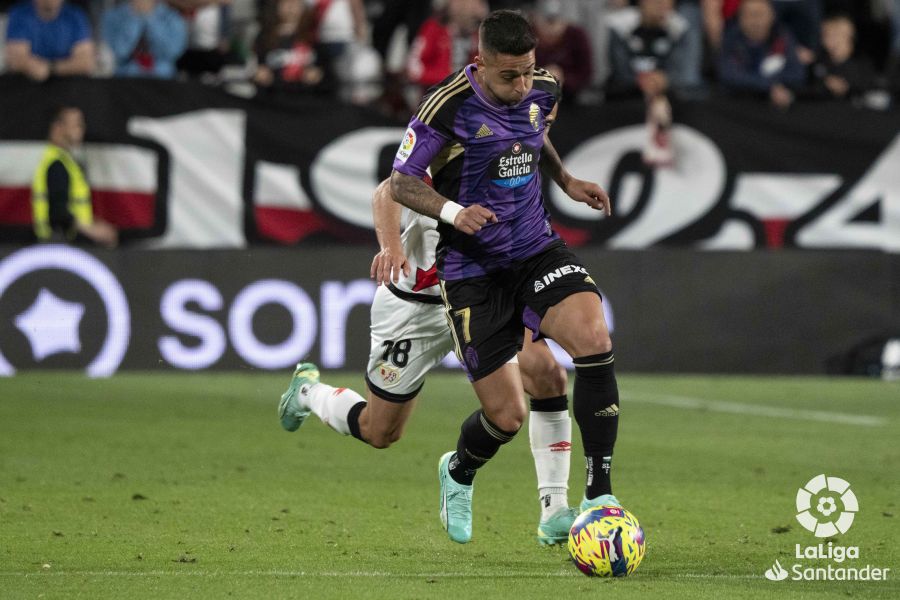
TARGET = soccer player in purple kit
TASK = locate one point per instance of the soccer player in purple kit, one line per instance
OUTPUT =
(483, 134)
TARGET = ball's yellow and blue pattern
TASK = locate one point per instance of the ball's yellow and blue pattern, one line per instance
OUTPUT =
(606, 541)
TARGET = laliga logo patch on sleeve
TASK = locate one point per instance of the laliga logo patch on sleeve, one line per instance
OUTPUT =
(407, 145)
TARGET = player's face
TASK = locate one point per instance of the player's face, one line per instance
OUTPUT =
(506, 78)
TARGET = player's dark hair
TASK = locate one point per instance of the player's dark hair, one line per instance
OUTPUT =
(507, 32)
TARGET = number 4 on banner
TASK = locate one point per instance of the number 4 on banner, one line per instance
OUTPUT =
(868, 216)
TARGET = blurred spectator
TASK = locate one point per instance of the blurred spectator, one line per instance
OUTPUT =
(691, 12)
(873, 25)
(410, 13)
(340, 23)
(48, 37)
(60, 195)
(563, 48)
(715, 14)
(343, 32)
(837, 73)
(447, 41)
(803, 18)
(648, 52)
(648, 49)
(286, 49)
(209, 35)
(591, 15)
(146, 38)
(760, 56)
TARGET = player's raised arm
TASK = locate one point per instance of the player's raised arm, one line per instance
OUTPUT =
(412, 192)
(391, 260)
(577, 189)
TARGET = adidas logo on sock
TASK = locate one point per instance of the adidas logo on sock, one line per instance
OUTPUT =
(483, 131)
(610, 411)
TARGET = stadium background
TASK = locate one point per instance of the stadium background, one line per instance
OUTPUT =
(771, 251)
(803, 206)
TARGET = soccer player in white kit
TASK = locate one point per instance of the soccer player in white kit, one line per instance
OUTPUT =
(410, 336)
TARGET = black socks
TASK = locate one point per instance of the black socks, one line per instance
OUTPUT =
(478, 442)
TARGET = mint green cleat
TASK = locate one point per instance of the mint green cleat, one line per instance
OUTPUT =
(555, 530)
(291, 412)
(456, 504)
(604, 500)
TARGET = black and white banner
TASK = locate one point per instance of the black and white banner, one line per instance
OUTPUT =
(62, 307)
(180, 165)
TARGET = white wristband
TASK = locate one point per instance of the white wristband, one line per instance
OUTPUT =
(449, 211)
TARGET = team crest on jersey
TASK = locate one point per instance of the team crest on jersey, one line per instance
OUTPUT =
(534, 116)
(407, 145)
(515, 167)
(389, 375)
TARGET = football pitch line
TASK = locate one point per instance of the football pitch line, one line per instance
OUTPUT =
(343, 574)
(759, 410)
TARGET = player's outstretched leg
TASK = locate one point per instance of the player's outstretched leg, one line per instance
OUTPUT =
(456, 503)
(339, 408)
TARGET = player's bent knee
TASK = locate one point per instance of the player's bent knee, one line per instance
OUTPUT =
(591, 340)
(510, 419)
(549, 381)
(557, 379)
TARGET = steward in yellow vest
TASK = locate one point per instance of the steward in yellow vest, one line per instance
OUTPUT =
(58, 174)
(60, 195)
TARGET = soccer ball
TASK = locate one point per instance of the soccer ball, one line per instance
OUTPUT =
(606, 541)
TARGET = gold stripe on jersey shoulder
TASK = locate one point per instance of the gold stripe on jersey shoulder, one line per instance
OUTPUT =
(456, 88)
(426, 106)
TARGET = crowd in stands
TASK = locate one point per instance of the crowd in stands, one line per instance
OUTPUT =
(387, 52)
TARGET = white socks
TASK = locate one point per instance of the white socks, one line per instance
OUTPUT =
(550, 434)
(332, 404)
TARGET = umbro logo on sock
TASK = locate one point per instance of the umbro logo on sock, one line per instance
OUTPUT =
(560, 447)
(483, 132)
(610, 411)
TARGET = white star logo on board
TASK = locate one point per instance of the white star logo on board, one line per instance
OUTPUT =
(51, 325)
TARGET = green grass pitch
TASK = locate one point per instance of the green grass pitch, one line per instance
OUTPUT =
(185, 486)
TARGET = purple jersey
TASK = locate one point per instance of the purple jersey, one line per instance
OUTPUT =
(483, 153)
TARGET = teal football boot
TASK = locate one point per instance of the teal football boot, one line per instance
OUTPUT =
(290, 410)
(604, 500)
(456, 504)
(555, 530)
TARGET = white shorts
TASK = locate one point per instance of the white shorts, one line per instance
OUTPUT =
(408, 339)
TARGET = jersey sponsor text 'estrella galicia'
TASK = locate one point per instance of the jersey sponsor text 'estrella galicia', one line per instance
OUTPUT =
(483, 153)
